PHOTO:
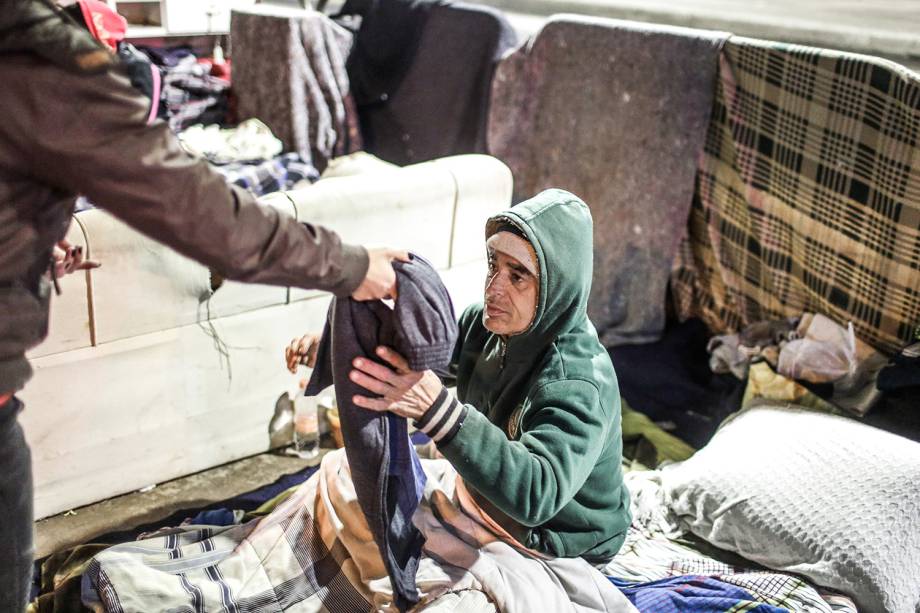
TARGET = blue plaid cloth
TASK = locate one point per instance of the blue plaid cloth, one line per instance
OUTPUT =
(692, 593)
(280, 173)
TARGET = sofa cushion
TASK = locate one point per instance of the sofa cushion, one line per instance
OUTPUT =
(409, 208)
(143, 286)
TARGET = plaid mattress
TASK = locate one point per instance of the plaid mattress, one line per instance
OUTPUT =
(807, 195)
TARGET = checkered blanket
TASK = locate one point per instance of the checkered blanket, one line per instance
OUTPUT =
(808, 194)
(314, 552)
(284, 172)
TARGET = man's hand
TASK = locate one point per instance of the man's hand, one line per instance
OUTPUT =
(407, 393)
(68, 259)
(380, 281)
(301, 351)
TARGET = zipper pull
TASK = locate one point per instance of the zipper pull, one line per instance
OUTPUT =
(504, 350)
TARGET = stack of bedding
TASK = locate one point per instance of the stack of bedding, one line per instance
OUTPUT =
(822, 513)
(785, 509)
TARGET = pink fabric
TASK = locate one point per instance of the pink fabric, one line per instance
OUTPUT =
(104, 23)
(155, 96)
(466, 502)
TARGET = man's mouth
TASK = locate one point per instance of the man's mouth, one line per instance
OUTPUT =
(493, 311)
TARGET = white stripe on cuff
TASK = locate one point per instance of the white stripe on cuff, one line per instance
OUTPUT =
(455, 408)
(436, 414)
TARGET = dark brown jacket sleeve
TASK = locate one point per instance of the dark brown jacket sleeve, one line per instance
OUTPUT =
(87, 134)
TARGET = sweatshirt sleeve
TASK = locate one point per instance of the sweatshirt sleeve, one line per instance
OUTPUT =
(563, 432)
(88, 135)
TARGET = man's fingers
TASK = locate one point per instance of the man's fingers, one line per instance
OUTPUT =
(89, 265)
(369, 383)
(291, 356)
(374, 369)
(374, 404)
(311, 355)
(299, 347)
(397, 254)
(394, 359)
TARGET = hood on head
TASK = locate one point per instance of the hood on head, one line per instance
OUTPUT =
(558, 225)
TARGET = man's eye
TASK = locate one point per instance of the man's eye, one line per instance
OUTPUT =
(515, 278)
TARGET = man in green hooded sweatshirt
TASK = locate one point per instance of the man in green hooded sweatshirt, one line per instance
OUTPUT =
(534, 430)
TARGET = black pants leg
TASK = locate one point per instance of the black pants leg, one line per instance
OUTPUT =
(15, 511)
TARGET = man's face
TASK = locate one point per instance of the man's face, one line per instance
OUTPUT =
(510, 295)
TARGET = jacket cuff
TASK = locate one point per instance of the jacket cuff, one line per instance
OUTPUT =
(443, 419)
(355, 263)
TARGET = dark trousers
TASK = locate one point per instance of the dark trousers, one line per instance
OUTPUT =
(15, 511)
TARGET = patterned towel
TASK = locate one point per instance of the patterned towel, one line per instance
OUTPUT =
(808, 194)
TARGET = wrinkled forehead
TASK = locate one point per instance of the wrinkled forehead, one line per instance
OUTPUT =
(514, 247)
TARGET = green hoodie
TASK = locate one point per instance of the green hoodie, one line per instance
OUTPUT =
(538, 431)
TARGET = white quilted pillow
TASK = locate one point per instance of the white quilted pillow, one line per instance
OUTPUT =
(813, 494)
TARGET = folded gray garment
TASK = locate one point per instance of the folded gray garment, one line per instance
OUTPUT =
(615, 112)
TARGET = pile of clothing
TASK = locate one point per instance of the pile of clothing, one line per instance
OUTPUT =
(190, 94)
(689, 381)
(812, 349)
(813, 360)
(250, 156)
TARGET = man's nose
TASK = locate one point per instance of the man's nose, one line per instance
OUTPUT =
(494, 285)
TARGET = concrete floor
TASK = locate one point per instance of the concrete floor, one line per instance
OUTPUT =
(139, 508)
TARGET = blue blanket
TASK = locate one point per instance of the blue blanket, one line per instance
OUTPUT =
(691, 593)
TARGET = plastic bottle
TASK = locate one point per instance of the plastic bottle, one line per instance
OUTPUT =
(306, 425)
